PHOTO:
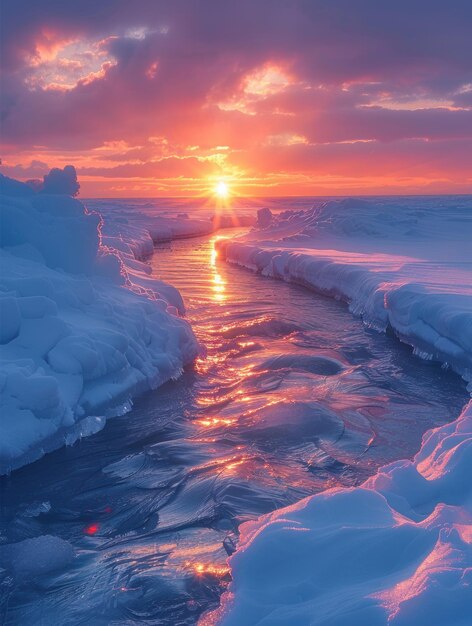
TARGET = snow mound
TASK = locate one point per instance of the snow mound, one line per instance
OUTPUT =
(396, 551)
(83, 328)
(406, 266)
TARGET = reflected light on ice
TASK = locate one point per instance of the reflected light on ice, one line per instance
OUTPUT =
(202, 569)
(216, 421)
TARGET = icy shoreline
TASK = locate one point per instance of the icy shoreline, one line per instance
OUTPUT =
(84, 329)
(421, 286)
(84, 326)
(398, 549)
(89, 328)
(136, 229)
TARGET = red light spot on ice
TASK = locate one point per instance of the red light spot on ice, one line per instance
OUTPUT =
(92, 529)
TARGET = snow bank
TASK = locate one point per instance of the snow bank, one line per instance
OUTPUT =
(131, 228)
(133, 244)
(82, 327)
(141, 224)
(407, 266)
(396, 551)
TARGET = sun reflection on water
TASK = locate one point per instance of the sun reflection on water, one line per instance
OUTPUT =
(218, 288)
(218, 282)
(216, 421)
(211, 569)
(213, 255)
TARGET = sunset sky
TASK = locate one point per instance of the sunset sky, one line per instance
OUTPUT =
(294, 97)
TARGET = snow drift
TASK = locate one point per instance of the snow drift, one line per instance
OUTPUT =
(407, 266)
(82, 327)
(396, 551)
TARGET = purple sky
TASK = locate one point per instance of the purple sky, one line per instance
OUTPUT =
(275, 97)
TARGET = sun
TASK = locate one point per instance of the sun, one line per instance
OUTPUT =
(222, 190)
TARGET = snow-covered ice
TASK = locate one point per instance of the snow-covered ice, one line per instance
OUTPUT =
(396, 551)
(407, 265)
(83, 328)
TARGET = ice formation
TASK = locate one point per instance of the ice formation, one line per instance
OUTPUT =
(83, 328)
(396, 551)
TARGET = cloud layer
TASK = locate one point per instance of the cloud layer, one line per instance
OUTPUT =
(279, 96)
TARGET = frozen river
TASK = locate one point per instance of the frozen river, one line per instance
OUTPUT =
(294, 396)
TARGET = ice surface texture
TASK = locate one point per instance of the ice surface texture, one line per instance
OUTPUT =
(83, 328)
(32, 558)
